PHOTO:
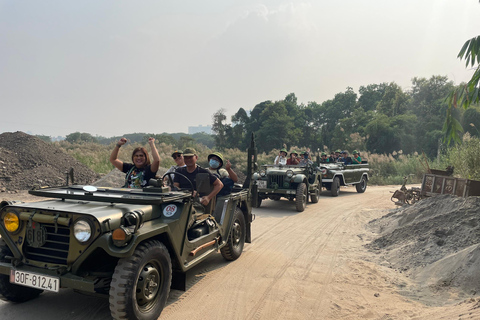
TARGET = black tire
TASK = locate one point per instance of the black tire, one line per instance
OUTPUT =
(236, 239)
(301, 197)
(13, 292)
(141, 283)
(362, 186)
(315, 196)
(335, 189)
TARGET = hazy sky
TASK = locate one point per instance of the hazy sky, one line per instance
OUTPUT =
(112, 67)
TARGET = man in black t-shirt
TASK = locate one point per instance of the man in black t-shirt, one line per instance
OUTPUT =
(190, 171)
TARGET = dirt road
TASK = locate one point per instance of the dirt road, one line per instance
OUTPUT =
(308, 265)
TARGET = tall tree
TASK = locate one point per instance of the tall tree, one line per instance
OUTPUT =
(393, 101)
(219, 127)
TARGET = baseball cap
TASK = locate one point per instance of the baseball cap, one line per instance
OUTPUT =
(189, 152)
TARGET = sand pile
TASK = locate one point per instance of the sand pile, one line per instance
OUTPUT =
(435, 242)
(26, 162)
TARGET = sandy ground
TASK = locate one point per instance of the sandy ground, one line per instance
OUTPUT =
(308, 265)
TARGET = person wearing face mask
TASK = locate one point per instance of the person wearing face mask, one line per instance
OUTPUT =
(215, 162)
(227, 176)
(305, 159)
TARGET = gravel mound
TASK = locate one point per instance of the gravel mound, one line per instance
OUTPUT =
(27, 161)
(435, 241)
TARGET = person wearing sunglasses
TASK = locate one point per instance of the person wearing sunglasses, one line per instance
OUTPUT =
(177, 156)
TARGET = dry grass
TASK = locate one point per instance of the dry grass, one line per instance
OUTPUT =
(384, 168)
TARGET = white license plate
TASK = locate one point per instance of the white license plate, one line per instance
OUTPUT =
(34, 280)
(262, 184)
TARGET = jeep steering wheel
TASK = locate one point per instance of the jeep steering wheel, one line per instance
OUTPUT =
(170, 180)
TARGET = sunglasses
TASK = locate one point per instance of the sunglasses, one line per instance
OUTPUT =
(176, 156)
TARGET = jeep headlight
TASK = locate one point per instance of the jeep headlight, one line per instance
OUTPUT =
(82, 230)
(289, 173)
(262, 173)
(11, 222)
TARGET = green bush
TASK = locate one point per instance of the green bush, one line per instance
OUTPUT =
(465, 158)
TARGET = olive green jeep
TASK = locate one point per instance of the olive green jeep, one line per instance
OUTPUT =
(131, 245)
(293, 182)
(335, 175)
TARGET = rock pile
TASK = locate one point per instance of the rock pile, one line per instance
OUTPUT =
(27, 162)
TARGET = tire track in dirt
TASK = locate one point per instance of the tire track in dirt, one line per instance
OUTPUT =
(269, 234)
(256, 312)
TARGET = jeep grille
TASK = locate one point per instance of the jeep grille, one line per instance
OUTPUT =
(275, 181)
(55, 249)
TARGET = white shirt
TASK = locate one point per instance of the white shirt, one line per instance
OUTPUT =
(281, 160)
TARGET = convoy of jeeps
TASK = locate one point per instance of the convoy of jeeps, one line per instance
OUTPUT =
(299, 183)
(133, 245)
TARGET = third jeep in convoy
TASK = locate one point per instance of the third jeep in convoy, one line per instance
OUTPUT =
(335, 175)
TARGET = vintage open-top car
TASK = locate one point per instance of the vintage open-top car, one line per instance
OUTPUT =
(130, 245)
(337, 174)
(293, 182)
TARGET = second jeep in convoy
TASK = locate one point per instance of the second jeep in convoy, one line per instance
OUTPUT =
(293, 182)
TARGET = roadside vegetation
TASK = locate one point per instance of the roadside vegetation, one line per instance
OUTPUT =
(385, 169)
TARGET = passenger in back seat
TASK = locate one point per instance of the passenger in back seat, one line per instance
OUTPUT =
(227, 175)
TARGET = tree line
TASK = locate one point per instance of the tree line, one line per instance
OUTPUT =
(381, 118)
(178, 140)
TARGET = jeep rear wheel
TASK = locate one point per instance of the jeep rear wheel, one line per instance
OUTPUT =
(362, 186)
(301, 197)
(13, 292)
(314, 196)
(236, 239)
(335, 189)
(141, 283)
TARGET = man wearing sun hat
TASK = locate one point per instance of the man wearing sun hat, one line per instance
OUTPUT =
(324, 158)
(190, 171)
(337, 155)
(293, 158)
(356, 157)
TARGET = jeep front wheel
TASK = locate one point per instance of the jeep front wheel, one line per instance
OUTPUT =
(301, 197)
(236, 239)
(13, 292)
(141, 283)
(335, 189)
(362, 186)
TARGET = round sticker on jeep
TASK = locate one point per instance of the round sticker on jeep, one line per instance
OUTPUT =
(169, 210)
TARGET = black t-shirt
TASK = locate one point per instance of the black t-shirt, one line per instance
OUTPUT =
(191, 176)
(137, 178)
